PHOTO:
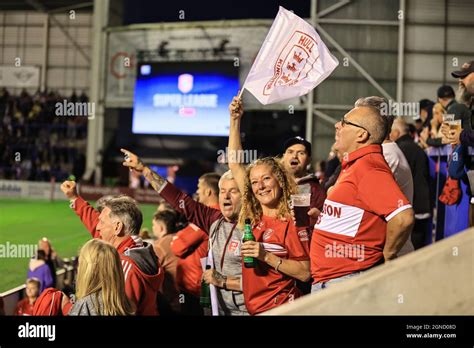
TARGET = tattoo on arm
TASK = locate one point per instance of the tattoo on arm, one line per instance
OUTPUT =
(219, 277)
(155, 180)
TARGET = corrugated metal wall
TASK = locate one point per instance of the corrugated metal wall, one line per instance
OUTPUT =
(22, 35)
(438, 35)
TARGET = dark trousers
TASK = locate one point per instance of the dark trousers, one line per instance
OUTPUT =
(190, 305)
(420, 233)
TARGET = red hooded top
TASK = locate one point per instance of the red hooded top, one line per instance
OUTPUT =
(50, 302)
(190, 245)
(141, 268)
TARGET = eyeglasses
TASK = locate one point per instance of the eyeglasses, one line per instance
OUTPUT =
(344, 122)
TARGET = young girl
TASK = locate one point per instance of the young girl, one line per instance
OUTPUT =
(100, 282)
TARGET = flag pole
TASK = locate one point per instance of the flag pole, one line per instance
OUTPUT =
(241, 91)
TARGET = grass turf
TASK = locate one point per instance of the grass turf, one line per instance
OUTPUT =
(27, 221)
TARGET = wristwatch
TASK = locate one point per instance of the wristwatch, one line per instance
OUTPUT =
(225, 283)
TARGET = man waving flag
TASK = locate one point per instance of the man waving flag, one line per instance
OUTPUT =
(292, 61)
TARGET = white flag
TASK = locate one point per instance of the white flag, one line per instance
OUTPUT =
(292, 61)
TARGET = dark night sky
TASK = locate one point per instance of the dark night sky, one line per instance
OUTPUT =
(152, 11)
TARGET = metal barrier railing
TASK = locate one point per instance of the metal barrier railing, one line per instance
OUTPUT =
(11, 297)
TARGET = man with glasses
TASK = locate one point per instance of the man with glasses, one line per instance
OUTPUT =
(366, 219)
(394, 157)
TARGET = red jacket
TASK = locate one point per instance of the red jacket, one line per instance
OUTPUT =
(190, 245)
(49, 303)
(142, 270)
(24, 307)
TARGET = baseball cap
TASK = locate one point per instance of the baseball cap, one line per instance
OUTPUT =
(445, 91)
(298, 140)
(466, 69)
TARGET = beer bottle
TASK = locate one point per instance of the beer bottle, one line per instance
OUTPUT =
(249, 262)
(205, 299)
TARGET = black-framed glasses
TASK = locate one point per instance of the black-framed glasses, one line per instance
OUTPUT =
(344, 122)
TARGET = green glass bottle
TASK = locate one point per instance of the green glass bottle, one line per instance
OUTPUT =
(205, 299)
(249, 262)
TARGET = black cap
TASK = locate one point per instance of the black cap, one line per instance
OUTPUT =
(298, 140)
(445, 91)
(247, 221)
(466, 69)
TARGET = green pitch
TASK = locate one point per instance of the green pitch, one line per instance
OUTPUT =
(27, 221)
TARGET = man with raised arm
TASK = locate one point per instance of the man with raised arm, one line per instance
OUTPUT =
(118, 223)
(224, 236)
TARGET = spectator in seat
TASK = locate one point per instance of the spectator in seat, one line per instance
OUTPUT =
(52, 259)
(40, 270)
(25, 306)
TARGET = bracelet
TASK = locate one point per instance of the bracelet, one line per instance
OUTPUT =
(278, 264)
(225, 284)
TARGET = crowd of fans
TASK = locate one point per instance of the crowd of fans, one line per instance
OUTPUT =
(36, 144)
(371, 203)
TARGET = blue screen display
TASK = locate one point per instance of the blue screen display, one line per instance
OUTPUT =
(186, 98)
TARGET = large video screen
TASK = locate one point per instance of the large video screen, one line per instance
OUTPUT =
(186, 98)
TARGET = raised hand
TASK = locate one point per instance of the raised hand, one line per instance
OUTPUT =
(236, 108)
(69, 189)
(132, 161)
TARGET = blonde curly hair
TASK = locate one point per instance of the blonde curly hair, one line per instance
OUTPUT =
(251, 207)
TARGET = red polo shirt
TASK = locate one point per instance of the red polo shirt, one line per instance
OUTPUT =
(350, 233)
(263, 287)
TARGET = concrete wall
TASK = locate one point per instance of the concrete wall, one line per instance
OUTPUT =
(436, 280)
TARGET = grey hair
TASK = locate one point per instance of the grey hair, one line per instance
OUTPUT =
(102, 201)
(401, 125)
(126, 210)
(226, 176)
(381, 105)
